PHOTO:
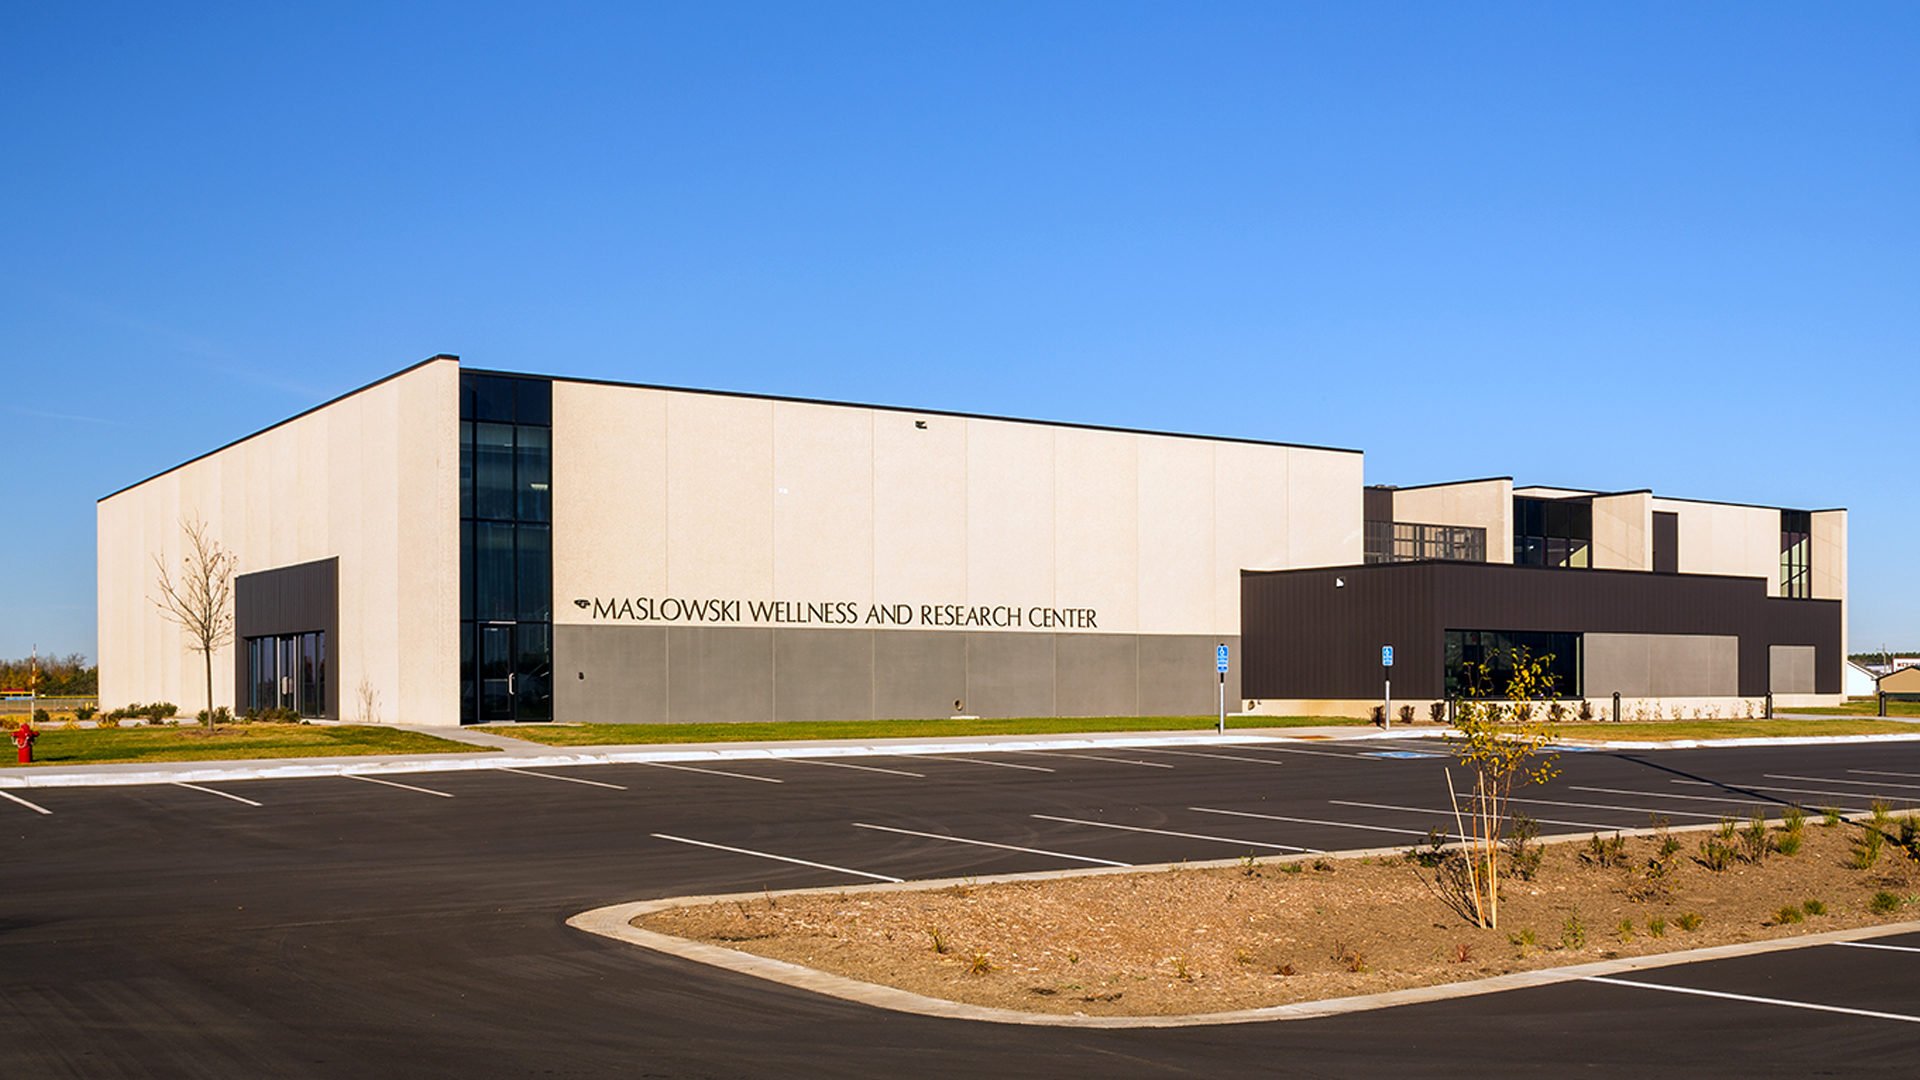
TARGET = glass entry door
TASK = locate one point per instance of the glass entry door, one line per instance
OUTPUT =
(496, 673)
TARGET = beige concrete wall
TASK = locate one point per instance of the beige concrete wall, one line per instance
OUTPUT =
(1623, 531)
(372, 479)
(662, 493)
(1830, 563)
(1485, 504)
(1717, 538)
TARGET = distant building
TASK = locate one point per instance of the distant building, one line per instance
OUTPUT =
(1861, 680)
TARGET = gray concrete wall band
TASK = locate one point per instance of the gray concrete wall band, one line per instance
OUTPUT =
(654, 674)
(1790, 669)
(1662, 665)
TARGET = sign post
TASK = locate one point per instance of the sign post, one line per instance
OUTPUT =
(1386, 664)
(1220, 666)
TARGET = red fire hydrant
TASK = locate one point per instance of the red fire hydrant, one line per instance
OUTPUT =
(23, 737)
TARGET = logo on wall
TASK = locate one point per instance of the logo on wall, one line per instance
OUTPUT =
(648, 609)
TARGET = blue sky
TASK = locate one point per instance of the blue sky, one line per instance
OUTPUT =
(1608, 246)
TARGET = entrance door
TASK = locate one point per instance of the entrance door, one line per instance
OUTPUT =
(496, 673)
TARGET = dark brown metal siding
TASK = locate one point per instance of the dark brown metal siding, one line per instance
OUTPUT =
(288, 600)
(1666, 542)
(1306, 638)
(1377, 504)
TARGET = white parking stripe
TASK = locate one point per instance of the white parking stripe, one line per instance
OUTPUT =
(1312, 821)
(568, 779)
(389, 783)
(1814, 1005)
(850, 765)
(1783, 790)
(711, 772)
(1674, 795)
(1302, 750)
(1835, 780)
(1203, 753)
(1430, 810)
(1607, 806)
(778, 858)
(1875, 945)
(977, 761)
(1097, 757)
(1877, 772)
(35, 807)
(1170, 832)
(989, 843)
(210, 791)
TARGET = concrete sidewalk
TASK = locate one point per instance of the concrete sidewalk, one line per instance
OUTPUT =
(496, 751)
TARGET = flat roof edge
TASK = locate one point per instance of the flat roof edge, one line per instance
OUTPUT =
(281, 423)
(914, 411)
(1443, 483)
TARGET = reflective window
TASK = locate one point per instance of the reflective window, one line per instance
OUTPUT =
(1796, 554)
(288, 671)
(506, 548)
(1552, 532)
(1480, 663)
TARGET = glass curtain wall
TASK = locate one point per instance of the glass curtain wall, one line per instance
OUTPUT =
(1552, 532)
(1796, 554)
(506, 548)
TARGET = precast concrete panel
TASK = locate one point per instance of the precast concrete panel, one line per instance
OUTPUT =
(1790, 669)
(369, 478)
(1480, 504)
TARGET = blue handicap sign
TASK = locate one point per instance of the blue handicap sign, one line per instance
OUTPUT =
(1386, 656)
(1220, 659)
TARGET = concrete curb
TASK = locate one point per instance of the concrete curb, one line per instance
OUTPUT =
(555, 757)
(1758, 740)
(616, 922)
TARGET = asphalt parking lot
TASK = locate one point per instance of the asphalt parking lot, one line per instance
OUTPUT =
(414, 924)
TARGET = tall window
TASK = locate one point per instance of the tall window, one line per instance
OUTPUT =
(1796, 554)
(506, 548)
(1552, 532)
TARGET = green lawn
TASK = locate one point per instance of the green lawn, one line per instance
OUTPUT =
(1866, 706)
(605, 734)
(1730, 729)
(190, 742)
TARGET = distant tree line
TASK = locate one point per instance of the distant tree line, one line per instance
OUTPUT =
(59, 676)
(1879, 657)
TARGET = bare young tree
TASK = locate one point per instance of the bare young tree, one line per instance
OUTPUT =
(200, 599)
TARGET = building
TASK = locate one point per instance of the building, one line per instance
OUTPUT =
(451, 545)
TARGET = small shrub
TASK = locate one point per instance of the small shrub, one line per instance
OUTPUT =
(42, 717)
(1291, 868)
(107, 720)
(1866, 847)
(1380, 715)
(1573, 933)
(1715, 854)
(1829, 816)
(1523, 855)
(1437, 712)
(1463, 953)
(1605, 853)
(1815, 907)
(1352, 959)
(1249, 866)
(1586, 712)
(1690, 921)
(1729, 827)
(937, 939)
(1793, 820)
(1556, 712)
(1884, 903)
(1406, 714)
(1524, 939)
(1656, 927)
(1755, 842)
(161, 710)
(1788, 914)
(221, 715)
(1284, 970)
(1323, 865)
(85, 712)
(1624, 931)
(1788, 845)
(982, 964)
